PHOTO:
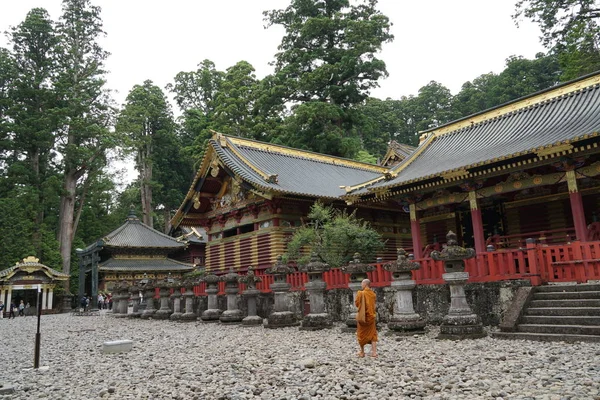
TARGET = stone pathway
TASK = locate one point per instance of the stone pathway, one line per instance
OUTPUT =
(211, 361)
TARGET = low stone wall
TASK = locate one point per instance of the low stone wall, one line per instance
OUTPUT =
(488, 300)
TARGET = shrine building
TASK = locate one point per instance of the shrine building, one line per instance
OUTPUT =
(131, 252)
(527, 169)
(22, 282)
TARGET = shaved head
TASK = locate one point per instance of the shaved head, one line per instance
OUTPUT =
(365, 283)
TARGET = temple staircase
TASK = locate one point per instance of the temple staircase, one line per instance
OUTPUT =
(569, 313)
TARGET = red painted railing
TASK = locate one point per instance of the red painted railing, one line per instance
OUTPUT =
(538, 263)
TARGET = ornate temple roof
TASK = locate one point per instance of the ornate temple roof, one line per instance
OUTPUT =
(135, 234)
(286, 170)
(29, 265)
(144, 265)
(194, 234)
(271, 170)
(550, 123)
(396, 152)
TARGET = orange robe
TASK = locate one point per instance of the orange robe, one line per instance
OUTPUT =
(367, 332)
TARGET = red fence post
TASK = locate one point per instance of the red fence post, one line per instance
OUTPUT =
(537, 275)
(580, 274)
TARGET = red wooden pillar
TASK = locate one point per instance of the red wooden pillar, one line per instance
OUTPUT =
(477, 221)
(576, 207)
(415, 231)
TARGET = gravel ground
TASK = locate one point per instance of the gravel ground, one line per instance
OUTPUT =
(211, 361)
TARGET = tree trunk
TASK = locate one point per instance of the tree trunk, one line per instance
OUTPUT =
(167, 217)
(146, 193)
(65, 233)
(39, 217)
(145, 184)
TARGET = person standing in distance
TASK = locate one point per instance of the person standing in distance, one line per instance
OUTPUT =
(366, 332)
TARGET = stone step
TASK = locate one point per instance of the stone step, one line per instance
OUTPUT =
(585, 287)
(566, 311)
(588, 294)
(560, 320)
(547, 337)
(565, 303)
(560, 329)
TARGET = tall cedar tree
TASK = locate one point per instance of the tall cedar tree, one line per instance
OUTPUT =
(146, 123)
(325, 66)
(83, 136)
(32, 113)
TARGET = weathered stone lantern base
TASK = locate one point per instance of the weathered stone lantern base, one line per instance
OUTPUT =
(315, 322)
(138, 309)
(461, 322)
(147, 314)
(412, 325)
(188, 316)
(162, 314)
(231, 316)
(252, 320)
(350, 326)
(211, 315)
(461, 327)
(176, 316)
(280, 319)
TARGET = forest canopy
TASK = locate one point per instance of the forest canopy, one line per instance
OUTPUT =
(60, 129)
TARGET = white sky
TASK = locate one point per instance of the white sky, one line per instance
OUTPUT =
(450, 41)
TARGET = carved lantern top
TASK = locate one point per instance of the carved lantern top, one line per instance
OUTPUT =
(123, 286)
(250, 279)
(135, 288)
(356, 266)
(146, 283)
(280, 268)
(452, 251)
(211, 279)
(230, 277)
(402, 263)
(315, 265)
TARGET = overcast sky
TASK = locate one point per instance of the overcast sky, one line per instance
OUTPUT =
(447, 41)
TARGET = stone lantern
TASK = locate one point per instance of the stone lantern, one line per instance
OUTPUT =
(357, 271)
(281, 316)
(318, 317)
(232, 287)
(213, 312)
(251, 293)
(149, 299)
(176, 299)
(461, 322)
(404, 319)
(188, 296)
(165, 292)
(122, 299)
(134, 294)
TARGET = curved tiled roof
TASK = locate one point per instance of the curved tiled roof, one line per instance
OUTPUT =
(293, 174)
(566, 114)
(143, 265)
(30, 262)
(134, 233)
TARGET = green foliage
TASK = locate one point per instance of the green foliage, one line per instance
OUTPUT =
(325, 66)
(521, 77)
(334, 235)
(570, 29)
(16, 228)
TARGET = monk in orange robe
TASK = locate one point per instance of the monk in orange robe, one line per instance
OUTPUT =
(367, 333)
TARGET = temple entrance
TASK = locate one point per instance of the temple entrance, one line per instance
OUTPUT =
(492, 218)
(23, 281)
